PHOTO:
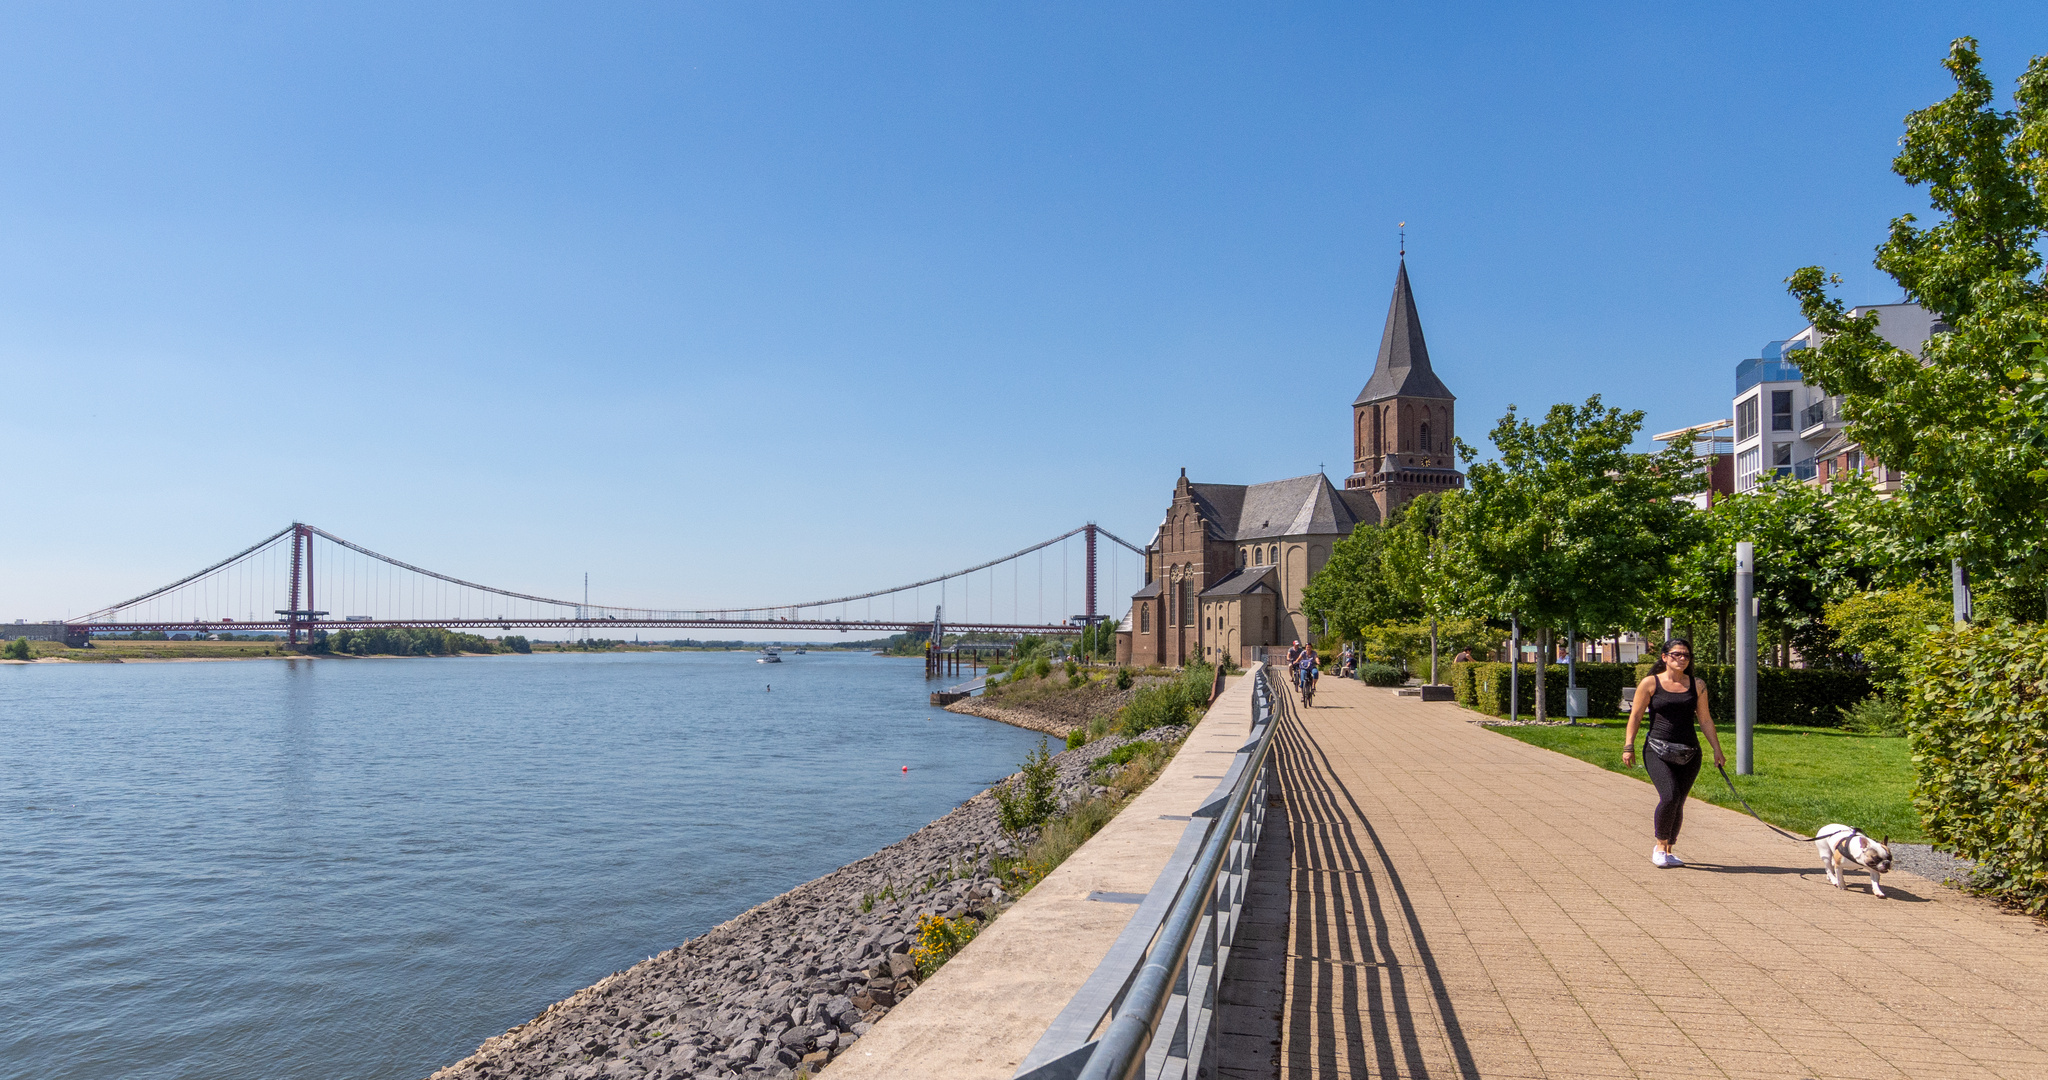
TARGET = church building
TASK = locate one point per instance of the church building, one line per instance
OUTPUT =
(1226, 570)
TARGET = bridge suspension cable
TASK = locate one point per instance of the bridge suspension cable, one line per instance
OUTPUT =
(266, 585)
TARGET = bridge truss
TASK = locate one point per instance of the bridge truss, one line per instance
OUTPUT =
(302, 580)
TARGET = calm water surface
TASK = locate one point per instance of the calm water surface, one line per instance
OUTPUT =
(364, 868)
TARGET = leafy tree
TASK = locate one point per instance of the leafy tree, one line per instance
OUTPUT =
(1805, 557)
(1099, 640)
(1355, 589)
(1883, 626)
(19, 649)
(1966, 421)
(1570, 529)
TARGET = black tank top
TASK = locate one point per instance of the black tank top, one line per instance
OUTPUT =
(1671, 715)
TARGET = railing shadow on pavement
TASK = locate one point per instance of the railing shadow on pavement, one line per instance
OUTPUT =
(1149, 1007)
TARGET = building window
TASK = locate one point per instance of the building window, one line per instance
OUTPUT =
(1745, 419)
(1781, 458)
(1187, 601)
(1273, 557)
(1746, 465)
(1422, 439)
(1240, 558)
(1855, 461)
(1781, 410)
(1258, 556)
(1144, 618)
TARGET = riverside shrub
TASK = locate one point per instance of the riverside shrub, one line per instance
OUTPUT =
(1032, 798)
(18, 649)
(1977, 722)
(1807, 697)
(1176, 702)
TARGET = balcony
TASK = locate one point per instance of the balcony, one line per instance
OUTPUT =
(1803, 470)
(1816, 417)
(1748, 373)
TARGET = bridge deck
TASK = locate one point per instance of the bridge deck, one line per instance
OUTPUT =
(1467, 905)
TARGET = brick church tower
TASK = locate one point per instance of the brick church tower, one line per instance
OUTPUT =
(1402, 422)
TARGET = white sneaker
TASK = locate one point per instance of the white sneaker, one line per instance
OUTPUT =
(1659, 858)
(1671, 859)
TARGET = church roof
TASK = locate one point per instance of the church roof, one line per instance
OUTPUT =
(1402, 369)
(1303, 505)
(1243, 580)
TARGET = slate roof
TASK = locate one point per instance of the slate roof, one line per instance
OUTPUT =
(1243, 580)
(1151, 589)
(1402, 369)
(1302, 505)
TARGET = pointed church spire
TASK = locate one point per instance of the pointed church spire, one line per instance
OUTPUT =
(1403, 367)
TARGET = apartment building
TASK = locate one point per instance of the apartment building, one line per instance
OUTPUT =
(1786, 426)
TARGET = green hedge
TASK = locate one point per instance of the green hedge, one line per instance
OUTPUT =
(1809, 697)
(1489, 688)
(1462, 686)
(1977, 721)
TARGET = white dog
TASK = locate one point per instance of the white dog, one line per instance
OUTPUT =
(1839, 842)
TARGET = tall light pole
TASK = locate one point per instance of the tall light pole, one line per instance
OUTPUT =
(1745, 657)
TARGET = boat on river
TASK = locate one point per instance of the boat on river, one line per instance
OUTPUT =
(769, 655)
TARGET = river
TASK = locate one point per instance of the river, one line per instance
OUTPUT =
(363, 868)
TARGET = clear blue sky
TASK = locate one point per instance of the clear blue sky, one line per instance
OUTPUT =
(749, 302)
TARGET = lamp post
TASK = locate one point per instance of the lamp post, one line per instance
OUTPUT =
(1514, 667)
(1745, 657)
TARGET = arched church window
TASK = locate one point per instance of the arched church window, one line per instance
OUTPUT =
(1422, 438)
(1258, 556)
(1273, 556)
(1240, 558)
(1144, 618)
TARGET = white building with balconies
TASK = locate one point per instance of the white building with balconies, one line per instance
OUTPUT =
(1786, 426)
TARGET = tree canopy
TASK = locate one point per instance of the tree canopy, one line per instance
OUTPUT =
(1966, 420)
(1570, 528)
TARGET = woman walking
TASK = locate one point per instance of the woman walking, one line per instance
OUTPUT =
(1674, 700)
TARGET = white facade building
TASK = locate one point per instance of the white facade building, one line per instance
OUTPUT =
(1783, 423)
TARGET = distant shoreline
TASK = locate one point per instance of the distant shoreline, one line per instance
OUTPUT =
(112, 651)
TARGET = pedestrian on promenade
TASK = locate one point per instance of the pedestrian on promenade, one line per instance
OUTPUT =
(1464, 657)
(1674, 700)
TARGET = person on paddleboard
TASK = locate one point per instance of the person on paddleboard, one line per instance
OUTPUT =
(1674, 700)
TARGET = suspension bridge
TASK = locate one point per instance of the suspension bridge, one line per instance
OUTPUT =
(279, 584)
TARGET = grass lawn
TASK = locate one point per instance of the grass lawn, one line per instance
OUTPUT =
(1805, 777)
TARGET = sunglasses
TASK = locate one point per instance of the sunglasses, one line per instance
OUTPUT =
(1678, 656)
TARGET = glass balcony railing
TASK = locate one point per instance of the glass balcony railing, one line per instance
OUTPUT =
(1748, 373)
(1804, 470)
(1816, 414)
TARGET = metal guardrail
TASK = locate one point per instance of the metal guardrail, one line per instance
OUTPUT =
(1148, 1010)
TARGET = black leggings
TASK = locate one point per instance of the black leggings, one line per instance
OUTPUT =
(1673, 782)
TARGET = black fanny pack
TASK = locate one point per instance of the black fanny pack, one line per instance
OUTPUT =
(1677, 753)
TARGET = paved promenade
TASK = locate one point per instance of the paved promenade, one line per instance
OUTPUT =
(1466, 905)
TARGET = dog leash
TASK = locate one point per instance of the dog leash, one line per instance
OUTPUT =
(1723, 770)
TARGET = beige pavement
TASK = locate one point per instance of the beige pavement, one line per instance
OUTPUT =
(1467, 905)
(977, 1017)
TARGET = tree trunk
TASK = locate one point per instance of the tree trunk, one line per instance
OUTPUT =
(1542, 661)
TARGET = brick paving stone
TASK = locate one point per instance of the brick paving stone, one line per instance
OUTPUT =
(1467, 905)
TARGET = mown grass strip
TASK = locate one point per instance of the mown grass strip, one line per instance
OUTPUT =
(1805, 777)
